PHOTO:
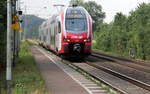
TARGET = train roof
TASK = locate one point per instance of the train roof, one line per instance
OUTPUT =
(78, 8)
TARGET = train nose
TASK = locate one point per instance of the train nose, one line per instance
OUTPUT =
(77, 48)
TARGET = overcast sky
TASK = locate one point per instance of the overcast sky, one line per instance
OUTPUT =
(44, 8)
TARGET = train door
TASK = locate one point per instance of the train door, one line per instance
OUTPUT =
(48, 35)
(58, 36)
(53, 36)
(55, 32)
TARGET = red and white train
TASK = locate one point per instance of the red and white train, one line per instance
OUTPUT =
(68, 33)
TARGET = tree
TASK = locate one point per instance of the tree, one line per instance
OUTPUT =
(120, 21)
(96, 13)
(77, 2)
(127, 35)
(139, 21)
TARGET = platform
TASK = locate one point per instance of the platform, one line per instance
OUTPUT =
(56, 80)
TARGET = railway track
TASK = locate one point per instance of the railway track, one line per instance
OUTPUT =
(122, 76)
(124, 62)
(115, 81)
(120, 59)
(143, 87)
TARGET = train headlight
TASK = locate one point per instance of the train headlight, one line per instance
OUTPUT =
(87, 40)
(65, 39)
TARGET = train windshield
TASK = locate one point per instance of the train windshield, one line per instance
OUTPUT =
(76, 22)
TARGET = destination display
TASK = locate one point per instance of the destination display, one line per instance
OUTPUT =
(74, 16)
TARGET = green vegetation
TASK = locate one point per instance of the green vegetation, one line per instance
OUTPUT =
(3, 25)
(126, 36)
(3, 22)
(26, 77)
(2, 83)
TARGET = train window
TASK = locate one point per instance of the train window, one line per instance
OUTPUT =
(59, 27)
(76, 25)
(76, 21)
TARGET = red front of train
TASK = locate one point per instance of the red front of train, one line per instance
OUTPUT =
(76, 31)
(70, 32)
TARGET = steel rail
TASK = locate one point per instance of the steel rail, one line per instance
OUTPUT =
(119, 61)
(122, 76)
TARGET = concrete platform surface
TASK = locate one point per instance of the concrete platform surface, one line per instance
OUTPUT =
(56, 80)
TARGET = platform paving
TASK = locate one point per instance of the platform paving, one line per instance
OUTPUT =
(56, 80)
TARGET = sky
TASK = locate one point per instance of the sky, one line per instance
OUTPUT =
(45, 8)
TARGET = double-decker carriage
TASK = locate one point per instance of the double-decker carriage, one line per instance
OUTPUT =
(68, 33)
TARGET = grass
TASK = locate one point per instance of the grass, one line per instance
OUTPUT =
(2, 82)
(26, 76)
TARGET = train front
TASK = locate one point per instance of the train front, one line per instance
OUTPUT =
(77, 37)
